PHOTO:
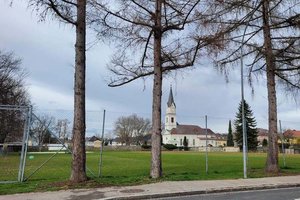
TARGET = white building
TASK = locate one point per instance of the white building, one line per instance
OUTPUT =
(174, 133)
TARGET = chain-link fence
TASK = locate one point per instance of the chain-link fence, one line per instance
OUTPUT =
(49, 153)
(14, 131)
(37, 145)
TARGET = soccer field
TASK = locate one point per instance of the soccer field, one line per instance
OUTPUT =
(132, 167)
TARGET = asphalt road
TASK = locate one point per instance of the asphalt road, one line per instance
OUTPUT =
(271, 194)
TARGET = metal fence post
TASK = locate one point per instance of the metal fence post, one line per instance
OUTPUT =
(282, 146)
(206, 153)
(102, 143)
(24, 143)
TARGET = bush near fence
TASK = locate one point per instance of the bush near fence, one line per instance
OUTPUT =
(123, 148)
(6, 148)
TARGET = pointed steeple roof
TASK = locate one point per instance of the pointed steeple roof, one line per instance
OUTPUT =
(171, 99)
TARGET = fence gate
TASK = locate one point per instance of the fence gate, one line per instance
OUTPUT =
(14, 133)
(34, 147)
(49, 147)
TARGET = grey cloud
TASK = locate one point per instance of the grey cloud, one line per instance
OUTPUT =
(48, 53)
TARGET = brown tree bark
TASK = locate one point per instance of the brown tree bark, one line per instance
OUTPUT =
(156, 166)
(272, 157)
(147, 22)
(78, 173)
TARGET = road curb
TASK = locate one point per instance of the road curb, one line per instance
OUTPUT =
(210, 191)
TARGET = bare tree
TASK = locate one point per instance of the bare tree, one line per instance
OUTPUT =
(123, 130)
(12, 76)
(73, 12)
(12, 92)
(131, 128)
(61, 128)
(141, 127)
(159, 35)
(41, 130)
(265, 33)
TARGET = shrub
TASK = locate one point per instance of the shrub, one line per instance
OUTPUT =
(183, 148)
(186, 148)
(170, 147)
(146, 146)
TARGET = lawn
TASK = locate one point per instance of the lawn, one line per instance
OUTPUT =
(132, 167)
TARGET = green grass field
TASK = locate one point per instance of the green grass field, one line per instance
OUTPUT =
(131, 167)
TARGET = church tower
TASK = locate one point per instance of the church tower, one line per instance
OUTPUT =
(170, 120)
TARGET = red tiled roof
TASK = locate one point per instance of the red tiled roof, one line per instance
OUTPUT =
(190, 130)
(293, 133)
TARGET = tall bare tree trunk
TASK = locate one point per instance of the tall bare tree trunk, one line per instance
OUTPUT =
(78, 173)
(272, 157)
(156, 167)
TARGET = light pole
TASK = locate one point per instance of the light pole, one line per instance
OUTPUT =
(243, 114)
(245, 148)
(243, 107)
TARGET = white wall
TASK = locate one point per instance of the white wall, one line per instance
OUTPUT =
(178, 140)
(56, 147)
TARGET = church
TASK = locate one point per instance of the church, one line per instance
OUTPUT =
(174, 132)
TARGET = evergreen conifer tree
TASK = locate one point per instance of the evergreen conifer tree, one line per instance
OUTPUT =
(185, 143)
(265, 142)
(250, 128)
(230, 136)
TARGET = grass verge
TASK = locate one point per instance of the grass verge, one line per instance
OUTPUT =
(132, 168)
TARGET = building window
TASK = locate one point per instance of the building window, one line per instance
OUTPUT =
(193, 142)
(180, 142)
(167, 120)
(172, 119)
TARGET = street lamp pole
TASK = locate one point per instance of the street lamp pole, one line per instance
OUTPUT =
(243, 116)
(245, 146)
(243, 107)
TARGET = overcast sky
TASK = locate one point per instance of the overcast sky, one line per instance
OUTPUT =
(47, 52)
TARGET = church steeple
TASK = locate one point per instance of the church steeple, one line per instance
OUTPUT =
(170, 119)
(171, 98)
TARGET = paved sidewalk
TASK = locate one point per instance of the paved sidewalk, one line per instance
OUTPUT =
(162, 189)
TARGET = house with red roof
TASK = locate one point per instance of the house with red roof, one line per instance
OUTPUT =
(262, 134)
(292, 136)
(174, 132)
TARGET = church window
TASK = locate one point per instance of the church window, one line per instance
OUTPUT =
(172, 119)
(180, 142)
(193, 142)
